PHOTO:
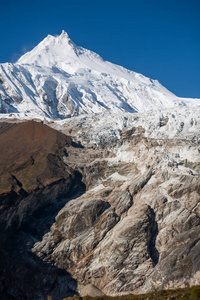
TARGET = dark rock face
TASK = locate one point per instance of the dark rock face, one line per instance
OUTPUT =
(36, 184)
(115, 218)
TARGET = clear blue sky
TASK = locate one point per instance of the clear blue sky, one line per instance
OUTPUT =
(158, 38)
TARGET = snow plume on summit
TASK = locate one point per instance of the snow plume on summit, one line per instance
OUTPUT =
(59, 79)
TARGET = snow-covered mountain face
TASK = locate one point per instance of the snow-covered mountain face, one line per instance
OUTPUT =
(58, 79)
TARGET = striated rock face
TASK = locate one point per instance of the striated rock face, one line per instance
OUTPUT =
(137, 226)
(121, 215)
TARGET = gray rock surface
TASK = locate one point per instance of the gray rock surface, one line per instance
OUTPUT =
(136, 228)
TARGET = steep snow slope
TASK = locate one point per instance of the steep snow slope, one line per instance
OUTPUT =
(58, 79)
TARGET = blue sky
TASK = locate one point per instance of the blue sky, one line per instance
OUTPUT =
(158, 38)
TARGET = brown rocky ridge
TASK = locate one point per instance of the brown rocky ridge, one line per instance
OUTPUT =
(33, 182)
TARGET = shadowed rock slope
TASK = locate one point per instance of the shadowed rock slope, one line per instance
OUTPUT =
(34, 184)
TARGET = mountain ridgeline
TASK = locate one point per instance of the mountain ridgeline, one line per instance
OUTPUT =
(58, 79)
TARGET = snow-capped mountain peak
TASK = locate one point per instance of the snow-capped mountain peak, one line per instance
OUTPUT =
(58, 79)
(51, 51)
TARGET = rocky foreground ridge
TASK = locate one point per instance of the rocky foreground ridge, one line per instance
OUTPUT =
(118, 212)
